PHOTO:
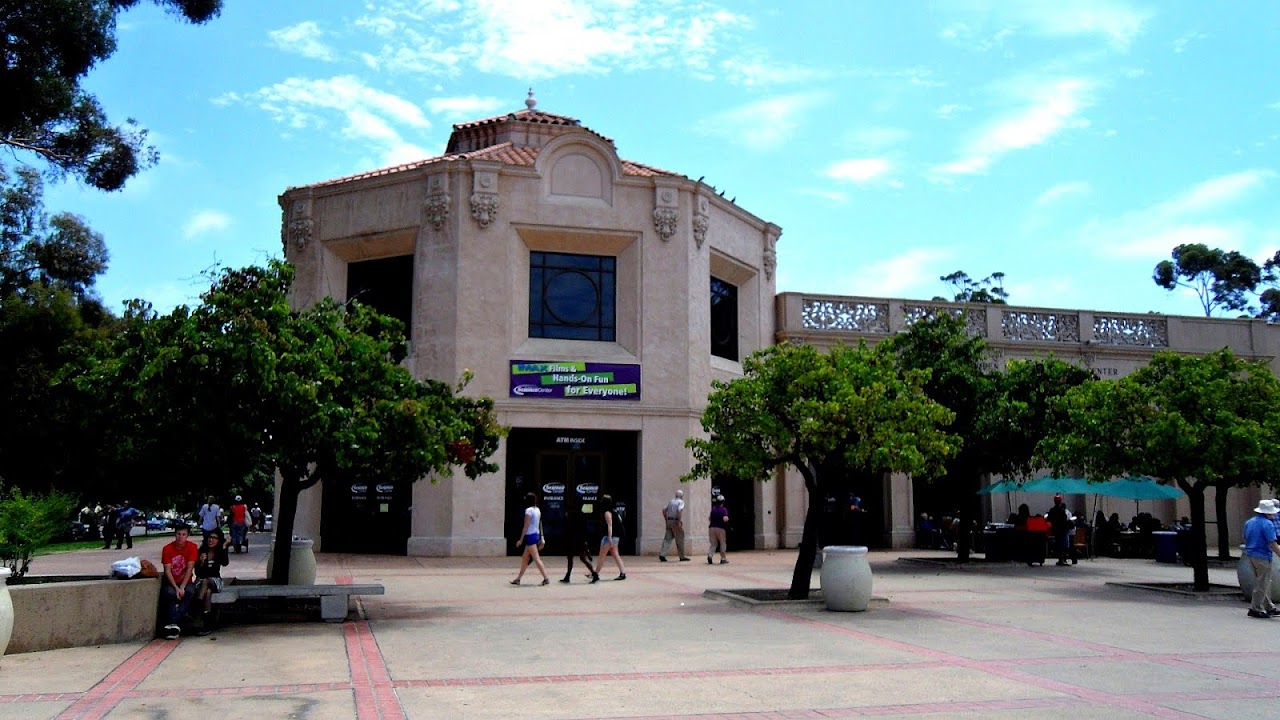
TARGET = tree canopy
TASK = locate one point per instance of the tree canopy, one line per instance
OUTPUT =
(1199, 422)
(1220, 279)
(1020, 412)
(49, 47)
(241, 383)
(989, 289)
(825, 414)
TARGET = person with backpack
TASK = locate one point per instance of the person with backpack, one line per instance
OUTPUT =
(612, 526)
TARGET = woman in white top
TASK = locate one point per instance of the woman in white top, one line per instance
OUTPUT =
(531, 538)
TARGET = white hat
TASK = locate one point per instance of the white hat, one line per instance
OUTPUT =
(679, 493)
(237, 498)
(1267, 507)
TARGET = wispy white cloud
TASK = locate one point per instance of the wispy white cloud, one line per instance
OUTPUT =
(1180, 45)
(546, 39)
(763, 124)
(1275, 105)
(836, 196)
(1195, 215)
(468, 106)
(859, 170)
(910, 272)
(950, 109)
(369, 115)
(1044, 108)
(204, 222)
(1060, 191)
(983, 25)
(761, 71)
(303, 39)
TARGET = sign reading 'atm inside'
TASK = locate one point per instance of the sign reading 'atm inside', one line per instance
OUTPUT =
(574, 379)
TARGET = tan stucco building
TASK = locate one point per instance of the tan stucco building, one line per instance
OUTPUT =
(596, 299)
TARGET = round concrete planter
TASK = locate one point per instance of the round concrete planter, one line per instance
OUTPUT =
(1245, 576)
(302, 561)
(6, 611)
(846, 578)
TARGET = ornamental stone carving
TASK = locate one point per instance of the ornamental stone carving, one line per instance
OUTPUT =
(665, 220)
(845, 315)
(769, 258)
(975, 318)
(484, 208)
(1131, 331)
(701, 220)
(1040, 327)
(436, 210)
(298, 225)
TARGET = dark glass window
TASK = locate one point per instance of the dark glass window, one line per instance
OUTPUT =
(724, 319)
(572, 297)
(386, 285)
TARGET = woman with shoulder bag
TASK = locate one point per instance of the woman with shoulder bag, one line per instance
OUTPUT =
(532, 540)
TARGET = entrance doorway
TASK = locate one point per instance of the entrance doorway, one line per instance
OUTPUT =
(369, 518)
(569, 470)
(740, 501)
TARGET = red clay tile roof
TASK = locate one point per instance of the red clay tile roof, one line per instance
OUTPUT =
(506, 153)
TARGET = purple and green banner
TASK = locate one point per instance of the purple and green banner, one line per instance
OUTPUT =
(574, 379)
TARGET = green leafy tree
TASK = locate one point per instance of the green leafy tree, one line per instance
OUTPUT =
(1200, 422)
(989, 289)
(826, 415)
(55, 251)
(28, 522)
(1220, 279)
(957, 371)
(1269, 299)
(1021, 412)
(243, 382)
(48, 48)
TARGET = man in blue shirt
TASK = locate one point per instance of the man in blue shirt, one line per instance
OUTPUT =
(1259, 544)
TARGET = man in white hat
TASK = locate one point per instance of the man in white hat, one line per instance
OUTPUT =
(1259, 544)
(673, 513)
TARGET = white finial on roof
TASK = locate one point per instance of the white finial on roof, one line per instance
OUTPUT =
(530, 101)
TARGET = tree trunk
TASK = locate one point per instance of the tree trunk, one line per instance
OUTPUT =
(1224, 535)
(282, 527)
(803, 573)
(1199, 557)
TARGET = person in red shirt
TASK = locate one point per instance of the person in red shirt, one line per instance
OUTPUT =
(240, 525)
(179, 560)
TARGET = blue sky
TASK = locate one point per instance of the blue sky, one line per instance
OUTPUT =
(1067, 144)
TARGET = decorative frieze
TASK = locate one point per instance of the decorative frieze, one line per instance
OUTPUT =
(1040, 327)
(770, 255)
(701, 220)
(1131, 331)
(975, 318)
(849, 316)
(484, 193)
(665, 221)
(298, 225)
(435, 210)
(484, 208)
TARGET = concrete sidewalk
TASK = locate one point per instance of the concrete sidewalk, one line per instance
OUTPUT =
(452, 639)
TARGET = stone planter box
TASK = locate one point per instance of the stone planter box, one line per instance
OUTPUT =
(75, 613)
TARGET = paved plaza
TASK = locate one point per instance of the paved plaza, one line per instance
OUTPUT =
(452, 639)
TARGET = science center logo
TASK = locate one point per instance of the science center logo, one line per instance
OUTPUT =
(553, 488)
(574, 379)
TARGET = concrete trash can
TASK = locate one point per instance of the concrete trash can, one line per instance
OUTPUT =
(846, 578)
(302, 561)
(1166, 546)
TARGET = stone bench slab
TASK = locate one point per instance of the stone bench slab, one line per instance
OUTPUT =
(333, 598)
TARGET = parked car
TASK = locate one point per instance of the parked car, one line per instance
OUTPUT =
(156, 524)
(74, 532)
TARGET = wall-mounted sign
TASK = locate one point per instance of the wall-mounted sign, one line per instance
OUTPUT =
(575, 379)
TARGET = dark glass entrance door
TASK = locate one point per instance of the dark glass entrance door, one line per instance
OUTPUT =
(366, 517)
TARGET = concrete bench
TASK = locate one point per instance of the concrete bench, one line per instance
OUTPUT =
(333, 598)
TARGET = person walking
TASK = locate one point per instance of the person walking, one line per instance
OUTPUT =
(531, 538)
(673, 515)
(255, 517)
(240, 525)
(612, 527)
(718, 526)
(124, 524)
(1060, 525)
(577, 530)
(210, 516)
(1259, 545)
(109, 519)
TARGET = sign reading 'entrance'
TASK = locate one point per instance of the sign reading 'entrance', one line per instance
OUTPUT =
(575, 379)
